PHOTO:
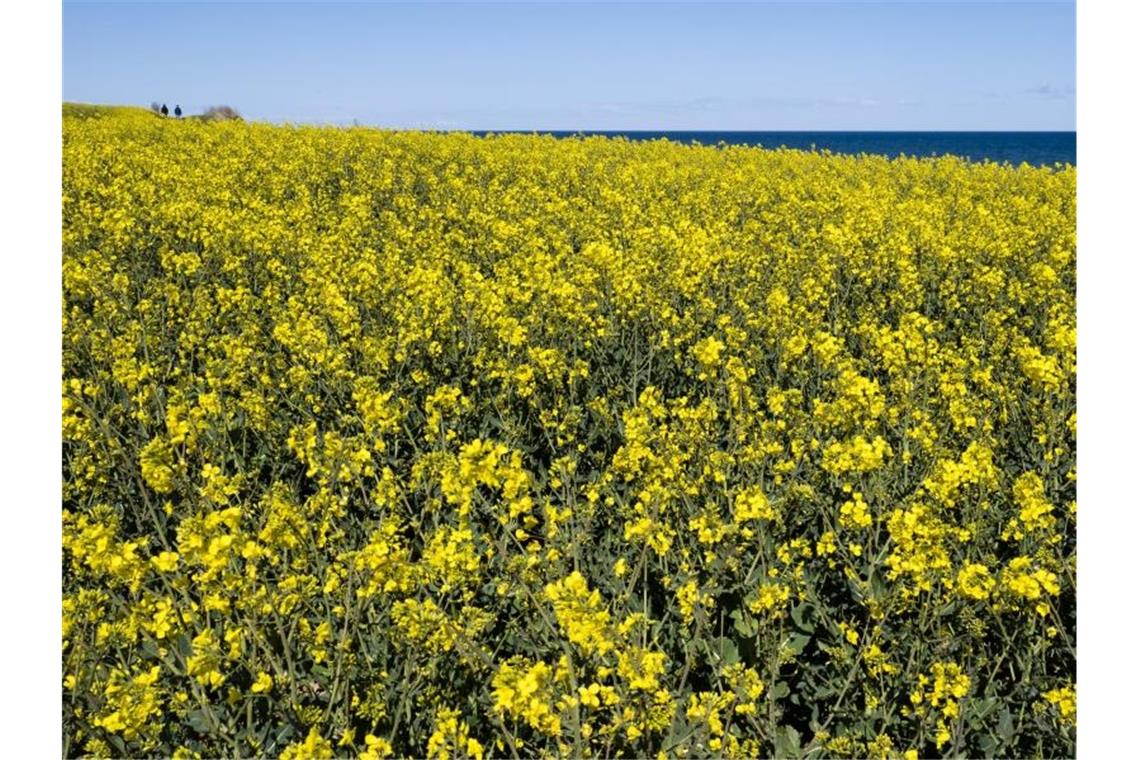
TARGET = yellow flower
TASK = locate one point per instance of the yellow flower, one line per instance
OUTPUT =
(974, 581)
(263, 683)
(752, 504)
(708, 351)
(166, 562)
(375, 748)
(580, 613)
(314, 746)
(1065, 700)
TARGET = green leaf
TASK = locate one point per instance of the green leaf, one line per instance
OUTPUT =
(722, 651)
(743, 623)
(796, 642)
(878, 585)
(787, 740)
(149, 650)
(978, 709)
(118, 743)
(803, 623)
(283, 737)
(184, 645)
(781, 690)
(1005, 725)
(199, 721)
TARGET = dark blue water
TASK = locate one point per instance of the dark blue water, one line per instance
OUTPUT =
(1037, 148)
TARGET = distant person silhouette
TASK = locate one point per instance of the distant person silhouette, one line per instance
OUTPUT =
(178, 110)
(164, 111)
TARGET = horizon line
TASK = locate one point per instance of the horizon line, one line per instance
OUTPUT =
(356, 122)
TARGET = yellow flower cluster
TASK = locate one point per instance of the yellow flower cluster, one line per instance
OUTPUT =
(1035, 513)
(451, 739)
(580, 614)
(941, 692)
(409, 444)
(528, 694)
(1065, 700)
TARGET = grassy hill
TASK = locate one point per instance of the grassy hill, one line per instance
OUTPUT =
(93, 111)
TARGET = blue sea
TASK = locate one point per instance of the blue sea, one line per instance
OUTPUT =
(1037, 148)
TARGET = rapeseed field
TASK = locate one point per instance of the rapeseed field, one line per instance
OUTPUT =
(429, 445)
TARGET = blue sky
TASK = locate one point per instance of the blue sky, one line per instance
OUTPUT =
(762, 66)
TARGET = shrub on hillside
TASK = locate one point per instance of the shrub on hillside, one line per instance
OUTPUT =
(221, 113)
